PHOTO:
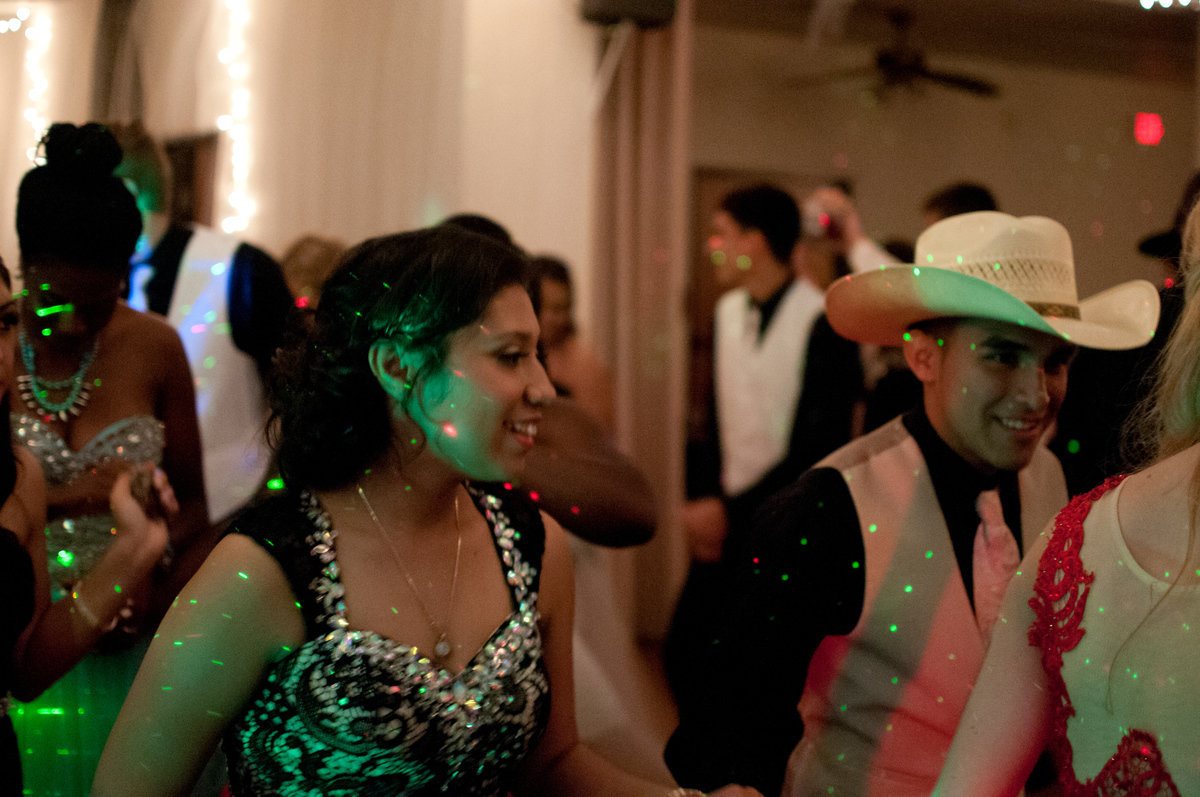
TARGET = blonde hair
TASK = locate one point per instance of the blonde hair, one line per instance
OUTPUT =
(1168, 419)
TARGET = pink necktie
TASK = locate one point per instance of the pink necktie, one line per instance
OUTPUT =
(995, 560)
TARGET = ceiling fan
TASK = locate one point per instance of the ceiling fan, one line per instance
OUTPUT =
(901, 65)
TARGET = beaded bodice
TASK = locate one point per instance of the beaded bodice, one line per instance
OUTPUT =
(73, 545)
(351, 712)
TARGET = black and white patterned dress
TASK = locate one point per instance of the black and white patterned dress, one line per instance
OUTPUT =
(351, 712)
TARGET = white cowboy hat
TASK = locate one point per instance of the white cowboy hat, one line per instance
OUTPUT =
(996, 266)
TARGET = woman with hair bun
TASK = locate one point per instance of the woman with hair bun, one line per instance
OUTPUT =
(97, 389)
(395, 621)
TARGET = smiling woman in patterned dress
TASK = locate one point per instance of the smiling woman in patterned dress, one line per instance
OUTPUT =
(394, 621)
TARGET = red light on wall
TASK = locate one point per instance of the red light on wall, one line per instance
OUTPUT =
(1148, 129)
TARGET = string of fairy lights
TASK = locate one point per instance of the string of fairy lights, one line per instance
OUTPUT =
(235, 122)
(36, 28)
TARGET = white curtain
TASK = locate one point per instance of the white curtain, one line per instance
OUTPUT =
(57, 68)
(641, 246)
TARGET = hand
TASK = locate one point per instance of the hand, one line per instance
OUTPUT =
(706, 526)
(87, 494)
(735, 791)
(840, 208)
(147, 525)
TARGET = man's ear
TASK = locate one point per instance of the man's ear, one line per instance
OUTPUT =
(394, 367)
(923, 355)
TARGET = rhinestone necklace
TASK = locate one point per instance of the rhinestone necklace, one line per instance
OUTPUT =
(34, 390)
(443, 647)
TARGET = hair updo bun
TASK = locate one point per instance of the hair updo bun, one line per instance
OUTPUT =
(89, 151)
(73, 209)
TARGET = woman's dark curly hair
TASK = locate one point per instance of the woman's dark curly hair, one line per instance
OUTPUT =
(72, 208)
(330, 418)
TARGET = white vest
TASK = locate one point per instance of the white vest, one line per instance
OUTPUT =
(881, 704)
(758, 382)
(230, 402)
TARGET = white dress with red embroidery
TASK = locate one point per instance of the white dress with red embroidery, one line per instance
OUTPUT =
(1121, 650)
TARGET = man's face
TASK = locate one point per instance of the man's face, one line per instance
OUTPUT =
(991, 389)
(729, 250)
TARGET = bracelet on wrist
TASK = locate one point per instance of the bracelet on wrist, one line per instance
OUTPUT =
(79, 605)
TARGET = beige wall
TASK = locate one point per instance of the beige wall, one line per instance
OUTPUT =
(366, 116)
(1054, 143)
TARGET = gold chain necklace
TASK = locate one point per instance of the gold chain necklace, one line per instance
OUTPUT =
(443, 646)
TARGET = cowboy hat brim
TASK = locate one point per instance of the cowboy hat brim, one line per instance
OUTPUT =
(879, 306)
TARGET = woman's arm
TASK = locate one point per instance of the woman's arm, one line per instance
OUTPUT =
(1007, 721)
(176, 408)
(585, 483)
(561, 764)
(192, 538)
(61, 633)
(236, 616)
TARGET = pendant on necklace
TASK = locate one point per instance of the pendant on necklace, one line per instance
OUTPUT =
(442, 648)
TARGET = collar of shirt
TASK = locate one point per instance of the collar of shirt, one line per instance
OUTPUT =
(957, 484)
(767, 307)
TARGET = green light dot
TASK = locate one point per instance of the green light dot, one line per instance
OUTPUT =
(929, 554)
(178, 643)
(908, 336)
(872, 528)
(784, 577)
(166, 689)
(804, 540)
(844, 707)
(855, 565)
(1100, 609)
(243, 575)
(117, 588)
(65, 558)
(972, 347)
(45, 333)
(996, 266)
(718, 258)
(893, 628)
(941, 342)
(743, 262)
(45, 286)
(959, 259)
(895, 679)
(916, 271)
(275, 484)
(1072, 446)
(209, 362)
(908, 587)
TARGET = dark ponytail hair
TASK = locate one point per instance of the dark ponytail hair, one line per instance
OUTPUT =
(71, 208)
(330, 416)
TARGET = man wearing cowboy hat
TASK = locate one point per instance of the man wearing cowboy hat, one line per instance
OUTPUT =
(871, 584)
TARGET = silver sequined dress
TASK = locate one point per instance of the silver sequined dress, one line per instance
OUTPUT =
(351, 712)
(62, 733)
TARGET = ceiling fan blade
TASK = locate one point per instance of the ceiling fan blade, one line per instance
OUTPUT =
(983, 88)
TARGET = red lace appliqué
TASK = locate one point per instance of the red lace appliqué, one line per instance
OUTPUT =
(1059, 600)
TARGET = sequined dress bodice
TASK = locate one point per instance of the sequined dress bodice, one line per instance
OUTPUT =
(73, 545)
(351, 712)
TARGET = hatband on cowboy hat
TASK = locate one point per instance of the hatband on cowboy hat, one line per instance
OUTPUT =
(995, 266)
